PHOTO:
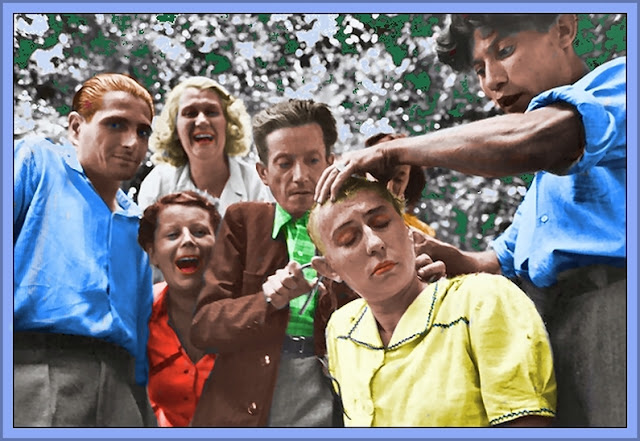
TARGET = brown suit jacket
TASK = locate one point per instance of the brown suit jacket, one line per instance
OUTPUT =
(233, 319)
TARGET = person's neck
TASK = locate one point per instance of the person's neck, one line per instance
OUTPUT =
(578, 68)
(388, 312)
(107, 189)
(211, 176)
(180, 305)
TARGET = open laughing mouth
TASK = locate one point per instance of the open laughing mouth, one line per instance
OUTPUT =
(203, 137)
(383, 267)
(188, 264)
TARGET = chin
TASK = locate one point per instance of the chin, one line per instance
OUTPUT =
(184, 281)
(297, 211)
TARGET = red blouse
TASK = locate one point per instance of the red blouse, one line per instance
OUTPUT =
(175, 382)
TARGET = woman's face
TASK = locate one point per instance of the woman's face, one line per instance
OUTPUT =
(367, 244)
(182, 245)
(201, 124)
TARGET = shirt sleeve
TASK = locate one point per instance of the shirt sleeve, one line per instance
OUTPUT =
(25, 177)
(505, 245)
(511, 350)
(600, 99)
(145, 305)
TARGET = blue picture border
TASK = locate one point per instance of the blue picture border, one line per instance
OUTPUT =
(351, 6)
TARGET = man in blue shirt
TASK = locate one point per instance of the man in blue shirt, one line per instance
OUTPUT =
(82, 285)
(566, 246)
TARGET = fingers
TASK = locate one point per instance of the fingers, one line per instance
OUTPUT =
(373, 160)
(425, 244)
(344, 171)
(432, 271)
(285, 284)
(326, 182)
(423, 260)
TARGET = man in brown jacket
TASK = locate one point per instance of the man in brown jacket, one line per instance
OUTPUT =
(252, 311)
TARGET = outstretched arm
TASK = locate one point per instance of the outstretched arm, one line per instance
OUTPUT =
(549, 138)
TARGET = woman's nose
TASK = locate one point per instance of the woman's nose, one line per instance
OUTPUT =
(201, 118)
(187, 237)
(373, 241)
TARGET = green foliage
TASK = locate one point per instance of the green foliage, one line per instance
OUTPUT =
(378, 72)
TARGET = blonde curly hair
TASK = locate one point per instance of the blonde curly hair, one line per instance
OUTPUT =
(164, 141)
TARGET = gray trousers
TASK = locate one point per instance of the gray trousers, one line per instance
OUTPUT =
(73, 381)
(302, 397)
(585, 314)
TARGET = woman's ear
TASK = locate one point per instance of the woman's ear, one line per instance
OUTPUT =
(323, 268)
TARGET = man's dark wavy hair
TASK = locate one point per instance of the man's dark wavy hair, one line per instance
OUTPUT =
(454, 44)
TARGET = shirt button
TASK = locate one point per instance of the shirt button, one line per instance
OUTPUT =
(252, 409)
(266, 360)
(544, 218)
(186, 371)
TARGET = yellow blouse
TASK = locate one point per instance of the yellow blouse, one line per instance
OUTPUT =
(469, 351)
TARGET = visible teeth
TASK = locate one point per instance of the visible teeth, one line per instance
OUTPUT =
(203, 137)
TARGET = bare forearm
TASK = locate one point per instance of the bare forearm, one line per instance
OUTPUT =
(550, 138)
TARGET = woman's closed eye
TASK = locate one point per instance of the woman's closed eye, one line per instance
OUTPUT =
(346, 238)
(379, 221)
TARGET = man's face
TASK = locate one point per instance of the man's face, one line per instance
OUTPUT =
(113, 143)
(367, 244)
(514, 69)
(182, 245)
(201, 124)
(297, 158)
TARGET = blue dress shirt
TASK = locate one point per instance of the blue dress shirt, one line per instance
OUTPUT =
(78, 268)
(579, 218)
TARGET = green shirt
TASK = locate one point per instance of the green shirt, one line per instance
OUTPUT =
(301, 249)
